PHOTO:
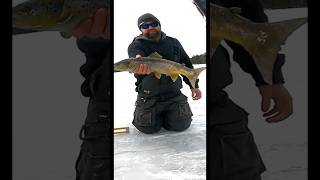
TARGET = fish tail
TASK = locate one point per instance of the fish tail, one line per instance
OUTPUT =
(201, 6)
(284, 28)
(268, 43)
(194, 75)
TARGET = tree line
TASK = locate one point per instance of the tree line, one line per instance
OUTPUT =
(198, 59)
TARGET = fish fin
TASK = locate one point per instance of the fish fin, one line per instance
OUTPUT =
(65, 18)
(265, 46)
(214, 43)
(174, 77)
(201, 6)
(157, 75)
(155, 55)
(65, 15)
(66, 35)
(194, 75)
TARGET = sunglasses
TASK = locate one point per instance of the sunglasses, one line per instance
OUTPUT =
(146, 26)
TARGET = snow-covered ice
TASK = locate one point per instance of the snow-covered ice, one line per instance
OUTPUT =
(164, 155)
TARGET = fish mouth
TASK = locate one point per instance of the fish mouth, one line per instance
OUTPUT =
(116, 68)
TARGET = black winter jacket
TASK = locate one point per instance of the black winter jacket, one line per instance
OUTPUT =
(169, 48)
(97, 69)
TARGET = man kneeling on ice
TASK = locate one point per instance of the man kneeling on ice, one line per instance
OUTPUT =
(160, 102)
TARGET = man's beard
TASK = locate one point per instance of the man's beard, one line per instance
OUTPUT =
(153, 34)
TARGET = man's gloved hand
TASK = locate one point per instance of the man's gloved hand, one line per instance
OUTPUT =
(94, 27)
(282, 102)
(195, 94)
(143, 68)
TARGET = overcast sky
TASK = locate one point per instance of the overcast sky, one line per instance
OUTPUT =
(179, 19)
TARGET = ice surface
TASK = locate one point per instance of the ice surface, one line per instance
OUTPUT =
(165, 155)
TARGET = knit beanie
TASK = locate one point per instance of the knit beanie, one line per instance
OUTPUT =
(147, 17)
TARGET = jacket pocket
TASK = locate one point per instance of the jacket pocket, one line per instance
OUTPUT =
(144, 114)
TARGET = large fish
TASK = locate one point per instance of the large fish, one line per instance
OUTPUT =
(159, 66)
(262, 40)
(53, 15)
